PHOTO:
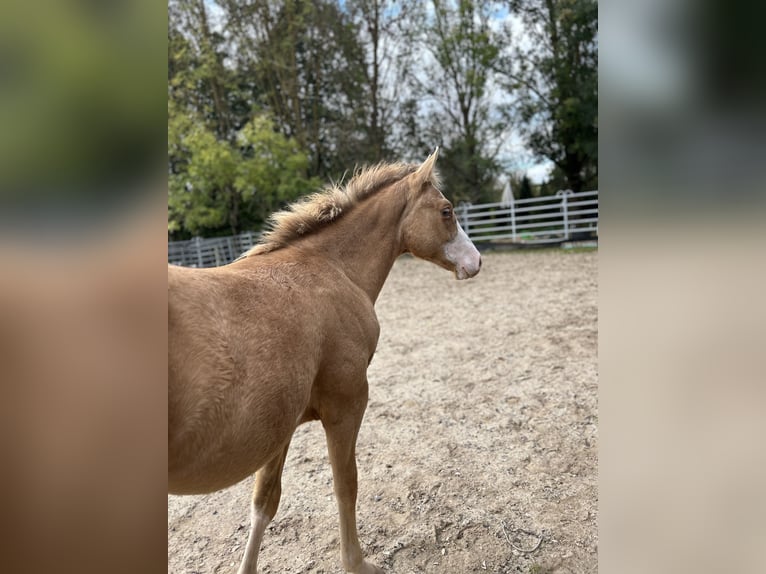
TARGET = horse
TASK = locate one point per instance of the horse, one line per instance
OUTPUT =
(284, 335)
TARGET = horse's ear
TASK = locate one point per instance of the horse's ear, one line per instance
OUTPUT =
(423, 174)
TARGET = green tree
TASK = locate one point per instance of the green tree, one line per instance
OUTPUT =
(197, 75)
(223, 188)
(310, 70)
(557, 181)
(522, 186)
(525, 188)
(553, 70)
(453, 101)
(228, 165)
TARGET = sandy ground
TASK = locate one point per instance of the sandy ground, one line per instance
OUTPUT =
(479, 442)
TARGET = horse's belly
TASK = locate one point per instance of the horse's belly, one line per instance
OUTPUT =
(219, 444)
(199, 466)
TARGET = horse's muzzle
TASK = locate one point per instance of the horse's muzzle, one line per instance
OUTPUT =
(469, 267)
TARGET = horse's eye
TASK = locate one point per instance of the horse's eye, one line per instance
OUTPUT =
(447, 212)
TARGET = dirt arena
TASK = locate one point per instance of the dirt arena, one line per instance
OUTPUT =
(478, 452)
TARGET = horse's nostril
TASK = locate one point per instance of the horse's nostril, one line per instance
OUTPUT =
(479, 261)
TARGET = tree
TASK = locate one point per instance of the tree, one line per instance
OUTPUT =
(553, 69)
(309, 67)
(332, 84)
(383, 29)
(197, 75)
(525, 188)
(223, 188)
(228, 165)
(458, 110)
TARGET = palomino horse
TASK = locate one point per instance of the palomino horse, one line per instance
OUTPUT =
(284, 335)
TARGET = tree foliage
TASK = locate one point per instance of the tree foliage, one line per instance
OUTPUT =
(223, 187)
(456, 107)
(228, 165)
(267, 98)
(553, 70)
(309, 67)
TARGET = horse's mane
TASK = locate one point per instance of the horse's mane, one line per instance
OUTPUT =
(319, 209)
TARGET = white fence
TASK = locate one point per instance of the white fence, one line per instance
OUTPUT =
(210, 252)
(552, 219)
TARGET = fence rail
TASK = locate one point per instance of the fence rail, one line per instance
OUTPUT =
(210, 252)
(552, 219)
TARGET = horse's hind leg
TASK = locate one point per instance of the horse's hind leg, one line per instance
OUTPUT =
(268, 489)
(341, 431)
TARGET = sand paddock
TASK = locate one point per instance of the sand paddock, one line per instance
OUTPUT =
(478, 452)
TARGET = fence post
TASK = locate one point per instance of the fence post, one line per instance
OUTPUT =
(564, 194)
(462, 210)
(513, 221)
(198, 247)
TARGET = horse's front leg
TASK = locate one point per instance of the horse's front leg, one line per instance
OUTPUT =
(341, 423)
(266, 494)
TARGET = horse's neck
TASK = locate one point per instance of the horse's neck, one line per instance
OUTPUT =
(365, 242)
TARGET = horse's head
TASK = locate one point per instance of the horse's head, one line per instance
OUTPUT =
(430, 229)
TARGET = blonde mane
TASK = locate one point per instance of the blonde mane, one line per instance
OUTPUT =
(319, 209)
